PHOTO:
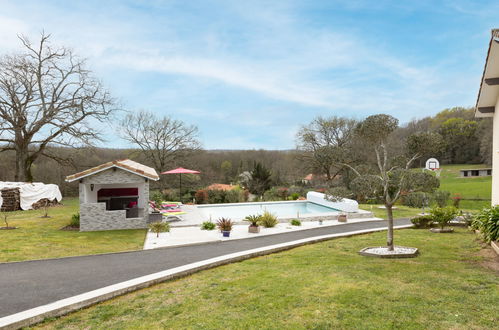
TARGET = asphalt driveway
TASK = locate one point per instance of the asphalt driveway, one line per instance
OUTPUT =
(29, 284)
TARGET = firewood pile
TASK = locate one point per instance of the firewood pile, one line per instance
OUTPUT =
(44, 201)
(11, 199)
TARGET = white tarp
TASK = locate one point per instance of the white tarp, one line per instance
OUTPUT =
(345, 204)
(31, 193)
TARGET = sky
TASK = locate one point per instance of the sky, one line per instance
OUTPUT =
(249, 74)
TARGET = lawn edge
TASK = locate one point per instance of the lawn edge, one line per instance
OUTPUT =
(67, 305)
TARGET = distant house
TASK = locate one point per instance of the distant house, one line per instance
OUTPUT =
(221, 186)
(476, 172)
(114, 195)
(311, 177)
(488, 101)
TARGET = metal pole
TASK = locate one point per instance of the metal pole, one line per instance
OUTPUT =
(180, 188)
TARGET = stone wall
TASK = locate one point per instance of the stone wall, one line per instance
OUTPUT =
(11, 200)
(93, 217)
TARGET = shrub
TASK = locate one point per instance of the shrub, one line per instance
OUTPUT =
(487, 222)
(201, 196)
(295, 222)
(456, 199)
(294, 196)
(424, 221)
(216, 196)
(234, 196)
(207, 225)
(159, 227)
(254, 220)
(75, 220)
(268, 220)
(443, 215)
(157, 198)
(441, 197)
(171, 195)
(416, 199)
(225, 224)
(272, 195)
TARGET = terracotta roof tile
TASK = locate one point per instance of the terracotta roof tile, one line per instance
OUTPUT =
(126, 164)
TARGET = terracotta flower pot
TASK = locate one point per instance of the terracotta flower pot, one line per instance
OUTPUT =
(342, 218)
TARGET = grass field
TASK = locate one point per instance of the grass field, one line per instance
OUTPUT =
(40, 238)
(320, 286)
(472, 187)
(450, 180)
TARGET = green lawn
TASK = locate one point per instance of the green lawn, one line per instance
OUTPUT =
(479, 187)
(401, 211)
(39, 238)
(320, 286)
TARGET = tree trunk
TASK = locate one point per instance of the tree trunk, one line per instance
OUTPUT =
(389, 235)
(23, 165)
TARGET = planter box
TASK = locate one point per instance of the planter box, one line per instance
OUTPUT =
(342, 218)
(254, 229)
(154, 217)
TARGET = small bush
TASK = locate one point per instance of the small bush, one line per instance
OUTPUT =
(75, 220)
(294, 196)
(456, 200)
(234, 196)
(443, 215)
(416, 199)
(295, 222)
(157, 198)
(201, 196)
(424, 221)
(441, 197)
(487, 222)
(268, 220)
(254, 220)
(159, 227)
(225, 224)
(208, 225)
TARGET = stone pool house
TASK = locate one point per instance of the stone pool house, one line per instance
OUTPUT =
(114, 195)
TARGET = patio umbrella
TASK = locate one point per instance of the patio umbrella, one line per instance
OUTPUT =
(181, 171)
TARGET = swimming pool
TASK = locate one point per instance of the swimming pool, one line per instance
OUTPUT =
(283, 210)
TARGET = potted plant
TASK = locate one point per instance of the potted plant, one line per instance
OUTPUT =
(254, 221)
(443, 215)
(342, 217)
(225, 226)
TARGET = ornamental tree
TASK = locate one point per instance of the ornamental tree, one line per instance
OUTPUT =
(390, 173)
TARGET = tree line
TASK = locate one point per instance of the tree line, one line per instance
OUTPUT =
(50, 103)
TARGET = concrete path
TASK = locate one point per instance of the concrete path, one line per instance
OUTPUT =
(29, 284)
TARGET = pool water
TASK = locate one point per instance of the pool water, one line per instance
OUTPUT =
(281, 210)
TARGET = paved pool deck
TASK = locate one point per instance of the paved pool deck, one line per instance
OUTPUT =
(190, 235)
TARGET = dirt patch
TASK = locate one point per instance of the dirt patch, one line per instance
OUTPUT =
(490, 259)
(8, 228)
(70, 228)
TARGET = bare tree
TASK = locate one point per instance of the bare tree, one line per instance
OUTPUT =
(162, 140)
(325, 143)
(47, 97)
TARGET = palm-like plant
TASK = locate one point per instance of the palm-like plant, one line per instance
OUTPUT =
(254, 220)
(159, 227)
(225, 224)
